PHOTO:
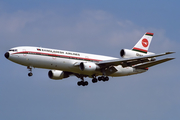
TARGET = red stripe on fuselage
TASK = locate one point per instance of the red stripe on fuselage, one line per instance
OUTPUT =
(56, 55)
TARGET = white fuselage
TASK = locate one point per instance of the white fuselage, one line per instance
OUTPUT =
(63, 60)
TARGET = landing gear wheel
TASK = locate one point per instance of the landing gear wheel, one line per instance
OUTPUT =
(94, 80)
(86, 83)
(30, 74)
(79, 83)
(30, 69)
(99, 78)
(106, 78)
(103, 78)
(83, 83)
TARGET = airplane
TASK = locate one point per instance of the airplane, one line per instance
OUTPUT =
(63, 64)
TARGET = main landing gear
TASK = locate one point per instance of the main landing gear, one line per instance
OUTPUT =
(94, 80)
(83, 83)
(103, 78)
(30, 69)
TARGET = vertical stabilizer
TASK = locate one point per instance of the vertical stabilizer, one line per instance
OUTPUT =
(144, 43)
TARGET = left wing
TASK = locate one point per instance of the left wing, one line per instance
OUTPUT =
(129, 61)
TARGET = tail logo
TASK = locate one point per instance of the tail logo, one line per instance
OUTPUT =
(145, 42)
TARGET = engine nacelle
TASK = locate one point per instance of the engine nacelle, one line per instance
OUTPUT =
(88, 66)
(57, 74)
(126, 53)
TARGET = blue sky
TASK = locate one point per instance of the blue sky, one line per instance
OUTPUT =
(99, 27)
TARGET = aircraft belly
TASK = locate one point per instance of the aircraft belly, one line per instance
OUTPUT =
(48, 62)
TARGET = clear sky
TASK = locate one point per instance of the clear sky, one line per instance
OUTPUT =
(99, 27)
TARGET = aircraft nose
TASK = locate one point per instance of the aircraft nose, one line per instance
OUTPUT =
(6, 55)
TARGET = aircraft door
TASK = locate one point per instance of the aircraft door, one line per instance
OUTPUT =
(53, 56)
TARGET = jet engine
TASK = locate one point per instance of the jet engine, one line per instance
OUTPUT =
(126, 53)
(57, 74)
(88, 66)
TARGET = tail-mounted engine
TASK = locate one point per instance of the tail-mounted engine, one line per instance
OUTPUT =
(88, 66)
(57, 74)
(125, 53)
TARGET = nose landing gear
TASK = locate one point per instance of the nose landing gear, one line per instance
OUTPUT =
(30, 69)
(30, 74)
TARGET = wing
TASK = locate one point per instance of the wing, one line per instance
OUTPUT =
(130, 61)
(151, 63)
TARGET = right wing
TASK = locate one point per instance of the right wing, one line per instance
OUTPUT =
(151, 63)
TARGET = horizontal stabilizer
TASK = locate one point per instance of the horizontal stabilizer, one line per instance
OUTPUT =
(152, 63)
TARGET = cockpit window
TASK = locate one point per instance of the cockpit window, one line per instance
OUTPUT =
(14, 50)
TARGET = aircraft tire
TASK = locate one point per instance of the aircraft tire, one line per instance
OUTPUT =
(99, 78)
(85, 83)
(94, 80)
(79, 83)
(106, 78)
(82, 83)
(30, 74)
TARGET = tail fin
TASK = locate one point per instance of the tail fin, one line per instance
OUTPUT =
(144, 43)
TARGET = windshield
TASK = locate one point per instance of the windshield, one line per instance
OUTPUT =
(14, 50)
